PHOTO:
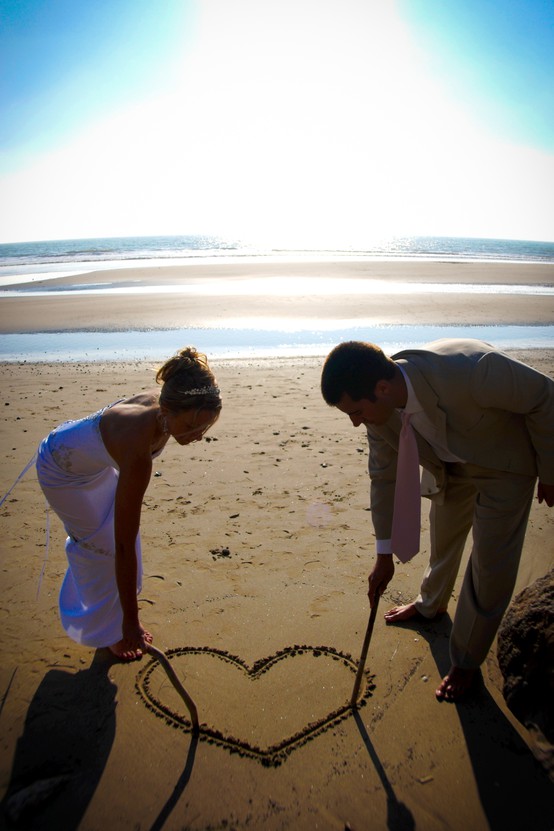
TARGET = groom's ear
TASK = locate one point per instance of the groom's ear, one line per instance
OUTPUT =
(383, 389)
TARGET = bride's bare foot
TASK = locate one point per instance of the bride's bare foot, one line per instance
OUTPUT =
(455, 684)
(132, 645)
(399, 613)
(121, 651)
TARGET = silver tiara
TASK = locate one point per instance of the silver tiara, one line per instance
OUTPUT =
(201, 391)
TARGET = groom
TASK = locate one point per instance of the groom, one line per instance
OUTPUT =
(484, 428)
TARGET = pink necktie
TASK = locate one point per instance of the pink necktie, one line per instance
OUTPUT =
(406, 523)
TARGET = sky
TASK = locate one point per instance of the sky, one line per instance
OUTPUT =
(293, 123)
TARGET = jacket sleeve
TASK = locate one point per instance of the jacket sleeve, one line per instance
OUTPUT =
(382, 472)
(503, 383)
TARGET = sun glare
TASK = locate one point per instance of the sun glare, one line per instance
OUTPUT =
(288, 125)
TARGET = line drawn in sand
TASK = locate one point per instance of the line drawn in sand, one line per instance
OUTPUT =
(263, 712)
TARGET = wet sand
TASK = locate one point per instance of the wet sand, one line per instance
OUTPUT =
(210, 295)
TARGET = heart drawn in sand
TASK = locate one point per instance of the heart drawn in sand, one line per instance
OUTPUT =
(264, 711)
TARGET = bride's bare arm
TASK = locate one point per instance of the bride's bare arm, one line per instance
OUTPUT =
(134, 476)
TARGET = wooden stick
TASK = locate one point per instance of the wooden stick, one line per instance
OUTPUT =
(191, 706)
(363, 656)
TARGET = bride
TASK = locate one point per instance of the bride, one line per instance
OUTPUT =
(94, 473)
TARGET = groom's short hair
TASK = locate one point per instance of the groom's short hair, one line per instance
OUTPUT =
(354, 367)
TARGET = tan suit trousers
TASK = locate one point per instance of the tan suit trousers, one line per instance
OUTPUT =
(495, 505)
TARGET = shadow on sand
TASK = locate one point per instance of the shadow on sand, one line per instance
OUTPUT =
(68, 734)
(180, 786)
(514, 789)
(399, 817)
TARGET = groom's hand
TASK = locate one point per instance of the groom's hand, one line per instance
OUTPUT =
(380, 577)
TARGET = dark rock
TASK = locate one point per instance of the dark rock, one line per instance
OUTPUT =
(526, 658)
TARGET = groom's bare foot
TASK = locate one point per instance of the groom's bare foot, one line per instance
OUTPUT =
(455, 684)
(399, 613)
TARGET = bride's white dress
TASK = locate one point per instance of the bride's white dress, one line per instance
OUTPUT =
(79, 479)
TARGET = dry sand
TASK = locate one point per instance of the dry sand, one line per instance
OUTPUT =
(257, 546)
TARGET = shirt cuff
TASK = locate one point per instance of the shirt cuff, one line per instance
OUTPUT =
(384, 547)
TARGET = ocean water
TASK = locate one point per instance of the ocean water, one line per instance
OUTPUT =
(52, 252)
(238, 343)
(41, 260)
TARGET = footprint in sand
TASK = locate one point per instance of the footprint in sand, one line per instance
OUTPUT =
(325, 603)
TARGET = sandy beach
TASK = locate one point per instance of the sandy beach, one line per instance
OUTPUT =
(257, 546)
(212, 295)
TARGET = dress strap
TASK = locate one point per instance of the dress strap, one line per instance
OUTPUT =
(47, 546)
(20, 477)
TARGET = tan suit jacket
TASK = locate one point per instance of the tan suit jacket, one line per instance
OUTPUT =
(487, 408)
